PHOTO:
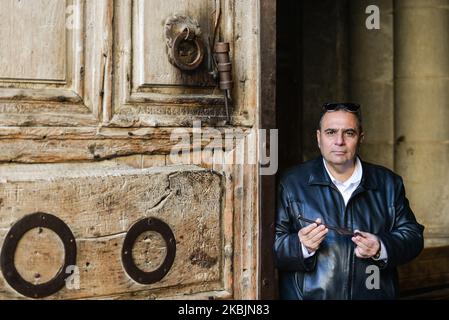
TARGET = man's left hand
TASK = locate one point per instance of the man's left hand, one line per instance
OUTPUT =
(368, 244)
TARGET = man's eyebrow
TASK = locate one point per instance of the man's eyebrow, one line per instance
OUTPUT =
(343, 129)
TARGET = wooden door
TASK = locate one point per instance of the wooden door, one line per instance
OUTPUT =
(89, 103)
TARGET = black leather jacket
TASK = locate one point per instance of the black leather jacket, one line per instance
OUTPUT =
(377, 206)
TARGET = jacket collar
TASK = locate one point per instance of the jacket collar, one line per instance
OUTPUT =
(319, 176)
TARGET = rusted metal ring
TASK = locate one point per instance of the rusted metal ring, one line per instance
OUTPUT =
(10, 273)
(184, 36)
(148, 224)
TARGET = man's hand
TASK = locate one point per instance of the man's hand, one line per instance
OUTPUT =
(368, 244)
(312, 235)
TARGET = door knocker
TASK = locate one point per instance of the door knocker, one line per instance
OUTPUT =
(185, 48)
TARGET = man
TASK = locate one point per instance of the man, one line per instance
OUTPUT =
(378, 230)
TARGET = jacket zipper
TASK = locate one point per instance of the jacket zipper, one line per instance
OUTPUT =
(351, 253)
(351, 258)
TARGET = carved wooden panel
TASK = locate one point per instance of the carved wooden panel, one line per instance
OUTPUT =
(44, 35)
(50, 67)
(151, 91)
(99, 203)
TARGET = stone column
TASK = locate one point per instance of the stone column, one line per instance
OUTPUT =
(421, 42)
(371, 78)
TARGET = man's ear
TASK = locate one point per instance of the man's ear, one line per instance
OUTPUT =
(318, 138)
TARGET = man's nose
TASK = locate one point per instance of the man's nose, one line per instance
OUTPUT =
(339, 139)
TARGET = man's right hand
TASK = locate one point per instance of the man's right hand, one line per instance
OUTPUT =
(312, 235)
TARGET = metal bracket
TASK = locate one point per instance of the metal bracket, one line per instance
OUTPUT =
(12, 276)
(148, 224)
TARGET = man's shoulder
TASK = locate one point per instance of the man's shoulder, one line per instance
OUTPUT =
(300, 171)
(378, 171)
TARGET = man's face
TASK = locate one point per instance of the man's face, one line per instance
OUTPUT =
(339, 137)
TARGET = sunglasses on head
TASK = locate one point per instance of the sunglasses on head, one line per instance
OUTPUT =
(351, 107)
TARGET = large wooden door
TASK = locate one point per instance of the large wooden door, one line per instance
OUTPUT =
(89, 103)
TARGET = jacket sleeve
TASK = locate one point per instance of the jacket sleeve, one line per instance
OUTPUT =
(405, 241)
(287, 247)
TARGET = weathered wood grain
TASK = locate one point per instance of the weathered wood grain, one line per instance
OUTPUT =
(99, 204)
(43, 34)
(39, 255)
(104, 93)
(43, 145)
(63, 44)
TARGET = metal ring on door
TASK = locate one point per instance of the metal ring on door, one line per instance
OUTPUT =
(187, 62)
(148, 224)
(12, 276)
(185, 48)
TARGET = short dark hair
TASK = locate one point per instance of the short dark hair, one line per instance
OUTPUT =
(350, 107)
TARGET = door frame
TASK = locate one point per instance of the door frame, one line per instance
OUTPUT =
(267, 283)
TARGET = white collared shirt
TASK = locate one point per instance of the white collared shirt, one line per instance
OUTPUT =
(346, 189)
